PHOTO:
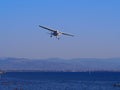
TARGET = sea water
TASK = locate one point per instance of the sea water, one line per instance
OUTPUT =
(60, 81)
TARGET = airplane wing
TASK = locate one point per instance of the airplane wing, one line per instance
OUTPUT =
(47, 28)
(67, 34)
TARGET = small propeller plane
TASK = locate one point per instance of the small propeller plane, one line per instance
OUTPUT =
(55, 32)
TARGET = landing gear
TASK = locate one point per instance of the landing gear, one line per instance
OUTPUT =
(51, 34)
(57, 37)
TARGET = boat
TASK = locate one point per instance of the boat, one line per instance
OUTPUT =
(1, 72)
(116, 85)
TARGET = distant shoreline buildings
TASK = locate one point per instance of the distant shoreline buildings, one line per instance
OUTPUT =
(1, 72)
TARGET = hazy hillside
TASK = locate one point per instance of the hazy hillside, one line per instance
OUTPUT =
(56, 64)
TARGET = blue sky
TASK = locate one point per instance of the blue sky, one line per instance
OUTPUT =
(95, 23)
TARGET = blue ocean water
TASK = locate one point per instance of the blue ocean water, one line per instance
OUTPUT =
(60, 81)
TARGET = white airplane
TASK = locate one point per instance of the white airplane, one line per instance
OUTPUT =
(55, 32)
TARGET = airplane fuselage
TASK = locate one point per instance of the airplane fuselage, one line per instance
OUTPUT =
(56, 33)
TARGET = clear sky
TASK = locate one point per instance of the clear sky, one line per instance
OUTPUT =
(95, 23)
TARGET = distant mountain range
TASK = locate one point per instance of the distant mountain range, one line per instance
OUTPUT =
(57, 64)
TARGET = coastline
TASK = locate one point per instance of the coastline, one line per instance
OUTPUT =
(53, 71)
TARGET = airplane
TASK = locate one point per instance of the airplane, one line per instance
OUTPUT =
(55, 32)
